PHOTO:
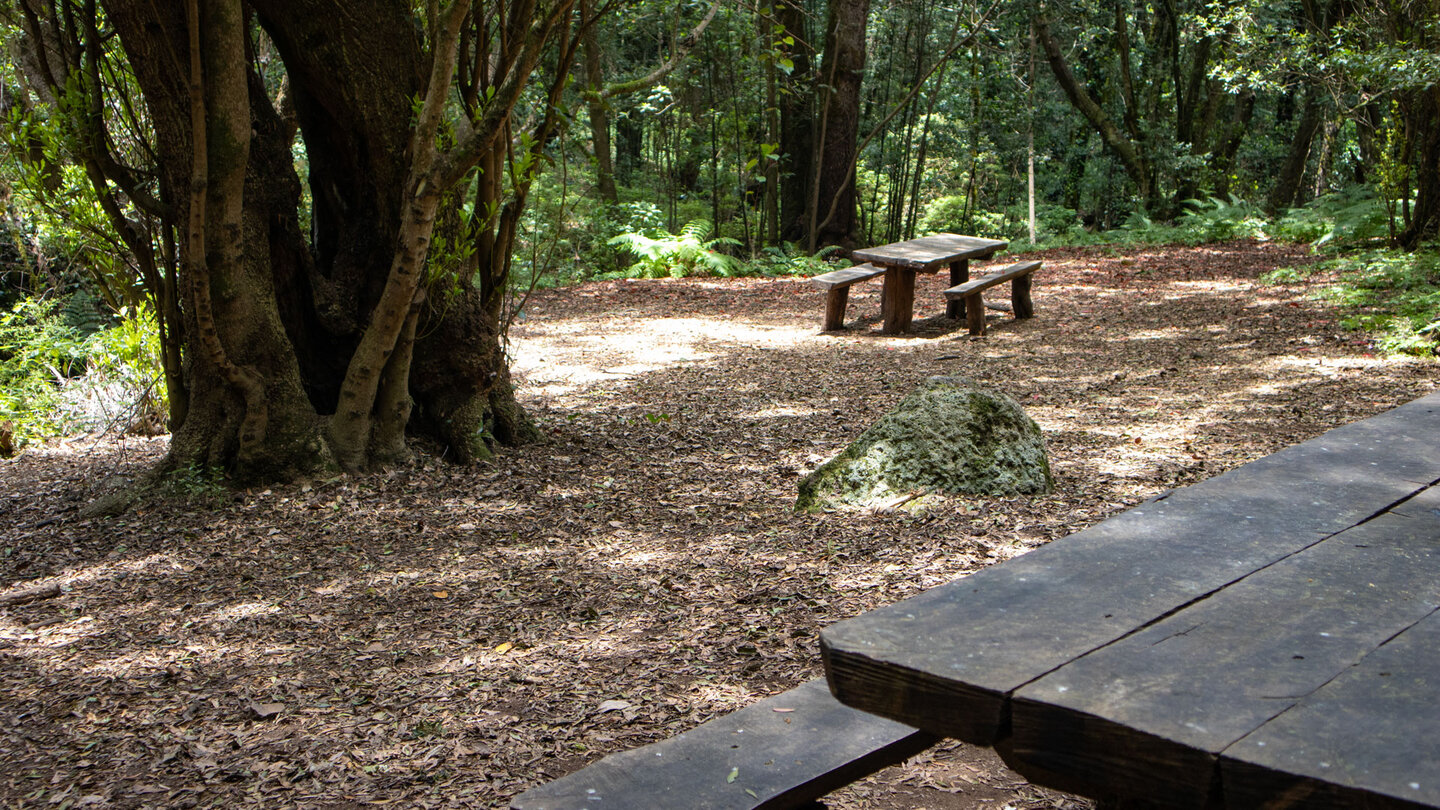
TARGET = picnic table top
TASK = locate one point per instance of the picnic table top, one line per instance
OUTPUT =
(929, 253)
(1271, 631)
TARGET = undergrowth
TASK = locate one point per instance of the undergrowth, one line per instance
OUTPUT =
(63, 369)
(1392, 295)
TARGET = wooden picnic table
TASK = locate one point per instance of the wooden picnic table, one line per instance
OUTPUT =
(1266, 637)
(927, 254)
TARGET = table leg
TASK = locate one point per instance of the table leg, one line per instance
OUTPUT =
(959, 274)
(898, 300)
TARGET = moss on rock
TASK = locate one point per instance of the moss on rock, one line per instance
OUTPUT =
(949, 435)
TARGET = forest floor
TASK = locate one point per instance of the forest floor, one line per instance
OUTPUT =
(437, 636)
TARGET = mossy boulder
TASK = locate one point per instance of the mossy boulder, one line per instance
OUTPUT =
(948, 436)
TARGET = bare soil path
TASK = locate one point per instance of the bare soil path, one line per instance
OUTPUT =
(442, 636)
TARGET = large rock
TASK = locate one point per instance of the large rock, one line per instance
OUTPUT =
(950, 436)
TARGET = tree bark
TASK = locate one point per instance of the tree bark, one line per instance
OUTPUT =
(797, 121)
(1137, 166)
(599, 115)
(833, 196)
(283, 333)
(1228, 141)
(1425, 123)
(1287, 183)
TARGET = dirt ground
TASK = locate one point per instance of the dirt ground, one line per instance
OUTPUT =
(437, 636)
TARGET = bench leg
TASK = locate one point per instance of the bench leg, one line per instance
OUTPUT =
(1020, 297)
(959, 274)
(975, 313)
(835, 302)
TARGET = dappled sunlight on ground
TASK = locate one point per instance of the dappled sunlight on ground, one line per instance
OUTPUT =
(441, 636)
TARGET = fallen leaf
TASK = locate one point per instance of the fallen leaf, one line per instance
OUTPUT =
(504, 648)
(614, 706)
(265, 711)
(782, 710)
(734, 772)
(440, 594)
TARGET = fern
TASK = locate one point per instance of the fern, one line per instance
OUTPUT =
(688, 253)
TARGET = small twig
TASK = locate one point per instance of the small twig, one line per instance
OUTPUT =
(890, 506)
(31, 595)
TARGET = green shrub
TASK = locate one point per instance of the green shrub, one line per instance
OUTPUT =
(1217, 220)
(688, 253)
(1392, 295)
(1353, 216)
(124, 381)
(791, 261)
(949, 215)
(39, 351)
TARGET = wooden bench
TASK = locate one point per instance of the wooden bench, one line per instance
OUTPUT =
(836, 284)
(1019, 277)
(785, 751)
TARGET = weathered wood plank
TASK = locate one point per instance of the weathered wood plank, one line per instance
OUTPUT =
(975, 313)
(835, 302)
(928, 253)
(847, 276)
(1152, 726)
(1012, 273)
(1020, 297)
(959, 274)
(898, 301)
(963, 648)
(781, 752)
(1391, 700)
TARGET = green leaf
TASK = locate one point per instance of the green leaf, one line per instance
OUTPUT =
(734, 772)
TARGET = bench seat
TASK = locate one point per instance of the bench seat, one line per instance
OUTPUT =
(836, 285)
(785, 751)
(1017, 274)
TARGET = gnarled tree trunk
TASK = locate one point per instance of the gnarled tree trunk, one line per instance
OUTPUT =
(304, 350)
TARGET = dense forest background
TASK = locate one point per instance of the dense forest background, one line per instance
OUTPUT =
(657, 139)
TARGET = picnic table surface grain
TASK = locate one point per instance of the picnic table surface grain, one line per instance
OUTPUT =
(1269, 632)
(926, 254)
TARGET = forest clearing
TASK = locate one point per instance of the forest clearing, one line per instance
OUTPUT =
(445, 636)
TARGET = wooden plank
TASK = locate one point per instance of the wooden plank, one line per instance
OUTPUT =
(929, 253)
(985, 282)
(1150, 714)
(959, 274)
(783, 751)
(835, 302)
(1389, 704)
(975, 313)
(897, 301)
(846, 276)
(948, 659)
(1020, 297)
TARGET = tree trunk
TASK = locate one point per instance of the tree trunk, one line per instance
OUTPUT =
(284, 331)
(833, 195)
(1292, 171)
(1228, 141)
(599, 115)
(233, 320)
(797, 121)
(1424, 114)
(1137, 166)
